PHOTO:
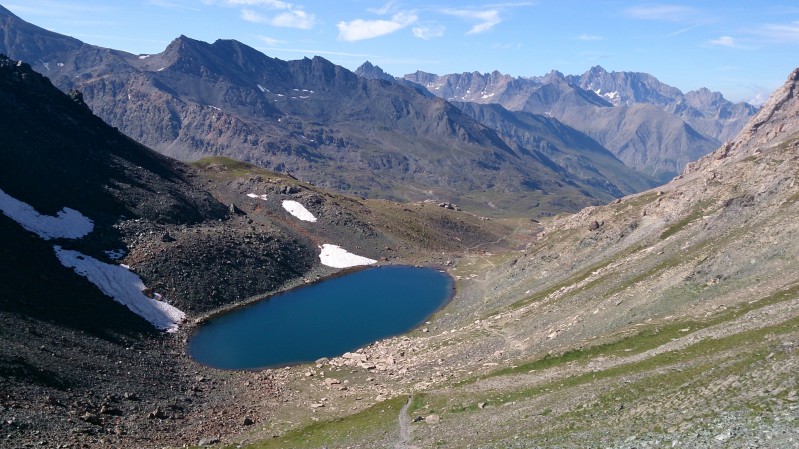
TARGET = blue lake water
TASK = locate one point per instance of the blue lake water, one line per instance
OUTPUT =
(324, 319)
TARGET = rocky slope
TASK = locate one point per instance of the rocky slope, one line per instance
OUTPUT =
(311, 118)
(650, 126)
(666, 319)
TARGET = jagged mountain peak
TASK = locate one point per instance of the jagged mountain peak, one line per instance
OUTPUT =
(370, 71)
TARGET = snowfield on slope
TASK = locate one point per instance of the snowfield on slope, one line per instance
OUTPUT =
(124, 287)
(337, 257)
(298, 210)
(67, 223)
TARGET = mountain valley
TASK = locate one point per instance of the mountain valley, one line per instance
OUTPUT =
(593, 307)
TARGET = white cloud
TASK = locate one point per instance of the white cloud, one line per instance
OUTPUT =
(295, 18)
(724, 41)
(428, 32)
(589, 37)
(360, 29)
(489, 18)
(291, 15)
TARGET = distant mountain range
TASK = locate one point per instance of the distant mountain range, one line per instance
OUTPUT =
(324, 124)
(558, 143)
(649, 125)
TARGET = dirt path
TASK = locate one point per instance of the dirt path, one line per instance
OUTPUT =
(405, 435)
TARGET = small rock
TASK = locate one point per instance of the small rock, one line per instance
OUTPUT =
(108, 410)
(481, 405)
(166, 238)
(418, 419)
(332, 381)
(248, 421)
(131, 396)
(432, 419)
(91, 418)
(235, 210)
(157, 414)
(208, 441)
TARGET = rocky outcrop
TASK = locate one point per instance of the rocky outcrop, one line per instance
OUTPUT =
(777, 121)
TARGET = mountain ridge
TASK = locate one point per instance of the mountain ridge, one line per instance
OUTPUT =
(317, 121)
(658, 145)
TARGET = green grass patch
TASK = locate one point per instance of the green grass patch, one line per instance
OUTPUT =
(706, 348)
(696, 213)
(646, 338)
(375, 420)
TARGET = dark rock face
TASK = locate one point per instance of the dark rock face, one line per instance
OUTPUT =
(89, 167)
(100, 368)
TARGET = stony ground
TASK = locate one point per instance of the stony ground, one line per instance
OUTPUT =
(670, 319)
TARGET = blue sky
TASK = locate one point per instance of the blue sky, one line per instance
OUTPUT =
(744, 49)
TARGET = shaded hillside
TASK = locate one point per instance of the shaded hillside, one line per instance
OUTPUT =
(310, 118)
(582, 157)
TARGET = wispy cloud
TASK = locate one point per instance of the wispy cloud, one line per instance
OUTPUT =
(272, 42)
(428, 32)
(487, 18)
(290, 15)
(385, 9)
(174, 4)
(589, 37)
(724, 41)
(506, 46)
(308, 51)
(359, 29)
(665, 13)
(778, 33)
(48, 8)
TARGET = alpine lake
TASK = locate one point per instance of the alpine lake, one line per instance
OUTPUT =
(323, 319)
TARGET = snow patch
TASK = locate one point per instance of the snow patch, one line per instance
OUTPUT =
(124, 287)
(487, 96)
(144, 56)
(337, 257)
(67, 223)
(298, 210)
(256, 196)
(261, 87)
